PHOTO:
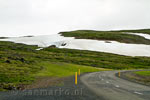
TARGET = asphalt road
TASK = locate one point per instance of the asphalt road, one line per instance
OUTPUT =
(92, 86)
(108, 86)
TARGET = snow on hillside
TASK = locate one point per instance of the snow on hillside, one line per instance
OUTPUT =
(41, 41)
(86, 44)
(113, 47)
(146, 36)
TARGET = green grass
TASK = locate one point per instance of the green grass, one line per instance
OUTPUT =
(107, 35)
(143, 73)
(21, 64)
(145, 31)
(95, 59)
(64, 69)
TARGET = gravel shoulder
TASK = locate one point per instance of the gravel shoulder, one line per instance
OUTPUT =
(131, 76)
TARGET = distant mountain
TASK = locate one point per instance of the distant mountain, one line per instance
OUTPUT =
(3, 37)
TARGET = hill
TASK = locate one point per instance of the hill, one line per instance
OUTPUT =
(119, 36)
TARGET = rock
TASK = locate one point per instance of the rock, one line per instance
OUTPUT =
(52, 46)
(107, 41)
(7, 61)
(63, 44)
(22, 60)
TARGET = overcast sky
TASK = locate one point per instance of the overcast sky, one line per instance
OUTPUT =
(42, 17)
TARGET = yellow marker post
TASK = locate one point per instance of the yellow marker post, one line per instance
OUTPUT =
(119, 74)
(79, 72)
(76, 78)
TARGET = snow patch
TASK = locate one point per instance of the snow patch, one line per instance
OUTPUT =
(113, 47)
(85, 44)
(146, 36)
(39, 49)
(41, 41)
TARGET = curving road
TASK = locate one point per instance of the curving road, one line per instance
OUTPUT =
(101, 86)
(107, 85)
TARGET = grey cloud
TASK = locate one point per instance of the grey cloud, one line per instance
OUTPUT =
(39, 17)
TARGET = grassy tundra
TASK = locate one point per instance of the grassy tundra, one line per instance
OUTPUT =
(22, 64)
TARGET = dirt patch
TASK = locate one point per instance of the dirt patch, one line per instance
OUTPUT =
(45, 82)
(40, 82)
